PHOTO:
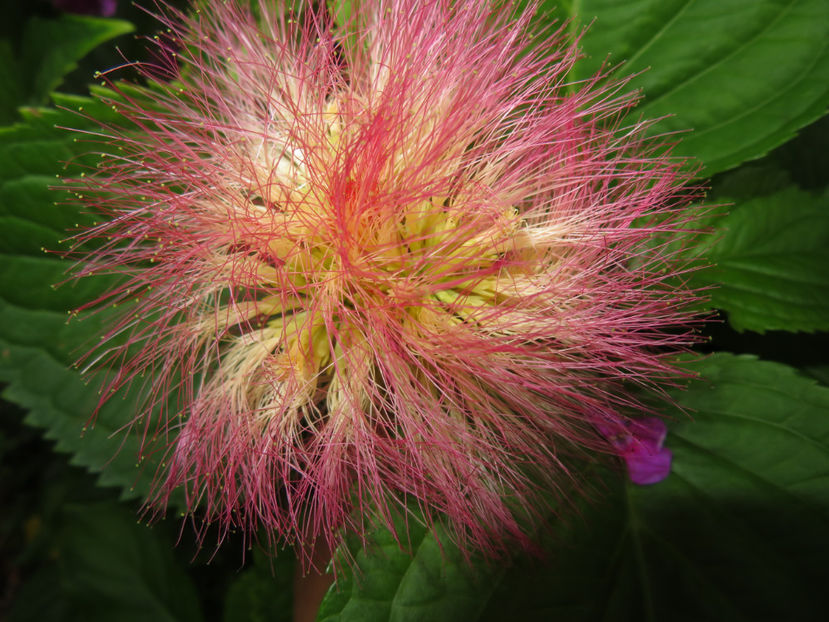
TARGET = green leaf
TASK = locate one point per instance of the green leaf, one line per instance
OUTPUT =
(52, 47)
(61, 403)
(762, 422)
(771, 255)
(746, 505)
(429, 580)
(113, 569)
(49, 50)
(37, 342)
(743, 76)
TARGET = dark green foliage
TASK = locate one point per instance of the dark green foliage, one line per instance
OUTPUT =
(744, 77)
(737, 532)
(48, 50)
(768, 261)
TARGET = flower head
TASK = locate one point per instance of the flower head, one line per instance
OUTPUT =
(403, 262)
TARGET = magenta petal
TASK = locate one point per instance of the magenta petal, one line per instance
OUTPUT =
(649, 468)
(639, 443)
(650, 432)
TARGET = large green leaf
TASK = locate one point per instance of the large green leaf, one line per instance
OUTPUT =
(61, 403)
(425, 578)
(736, 532)
(38, 341)
(743, 76)
(771, 259)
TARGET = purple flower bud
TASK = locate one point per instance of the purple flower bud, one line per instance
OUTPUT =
(639, 443)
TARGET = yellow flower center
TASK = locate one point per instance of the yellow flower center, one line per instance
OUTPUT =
(312, 248)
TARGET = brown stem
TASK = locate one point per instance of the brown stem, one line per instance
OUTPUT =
(310, 587)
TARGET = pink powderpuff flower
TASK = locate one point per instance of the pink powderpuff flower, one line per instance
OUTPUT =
(397, 264)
